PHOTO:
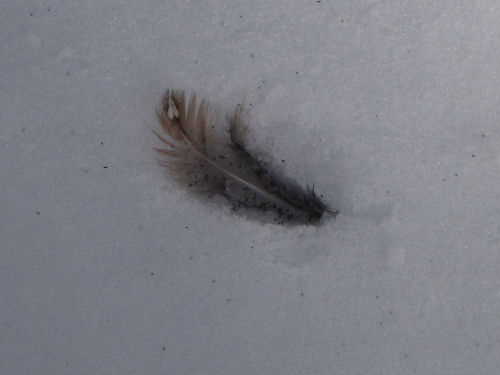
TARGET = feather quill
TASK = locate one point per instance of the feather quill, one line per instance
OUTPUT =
(245, 181)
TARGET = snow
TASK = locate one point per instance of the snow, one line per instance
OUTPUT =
(390, 108)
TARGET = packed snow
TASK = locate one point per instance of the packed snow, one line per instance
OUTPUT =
(390, 108)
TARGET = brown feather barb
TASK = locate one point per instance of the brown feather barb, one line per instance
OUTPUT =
(241, 177)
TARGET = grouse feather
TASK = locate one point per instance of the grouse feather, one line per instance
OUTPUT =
(242, 177)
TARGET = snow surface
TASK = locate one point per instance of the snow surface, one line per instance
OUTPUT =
(391, 109)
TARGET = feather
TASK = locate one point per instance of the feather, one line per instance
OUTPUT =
(241, 177)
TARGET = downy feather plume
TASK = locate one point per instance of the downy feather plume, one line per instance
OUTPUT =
(241, 177)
